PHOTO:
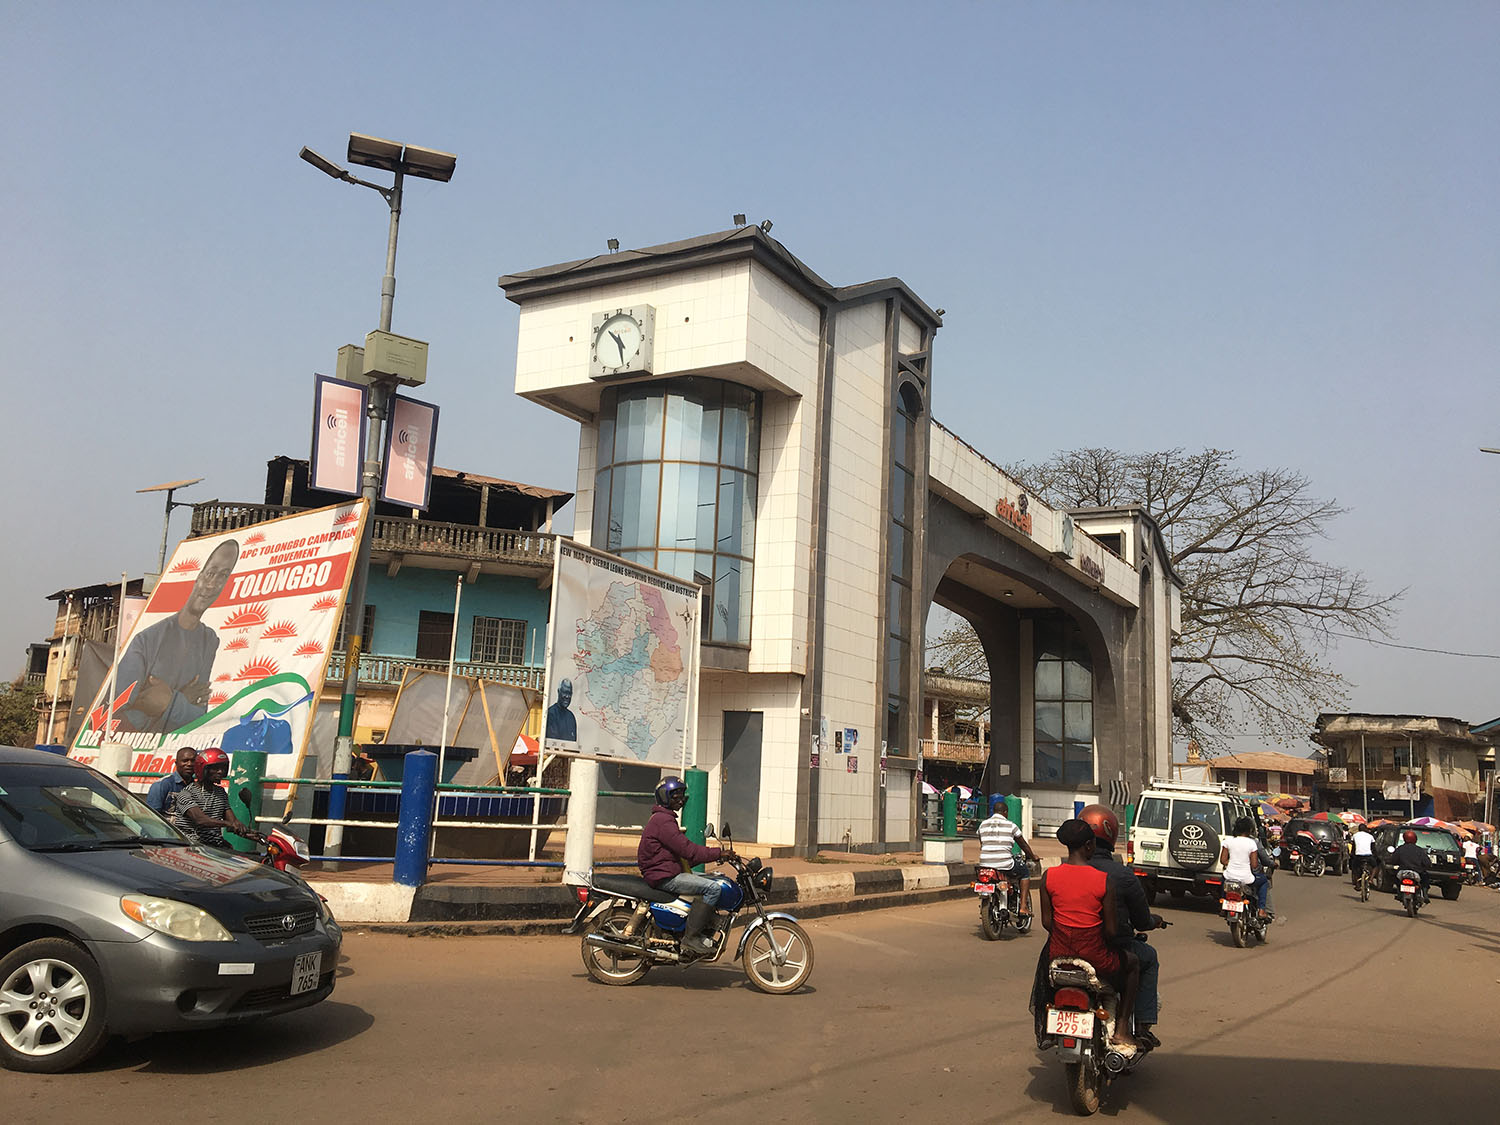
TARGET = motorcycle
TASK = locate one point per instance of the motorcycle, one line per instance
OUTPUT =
(630, 927)
(1307, 857)
(999, 902)
(1409, 891)
(1080, 1017)
(1471, 873)
(1238, 907)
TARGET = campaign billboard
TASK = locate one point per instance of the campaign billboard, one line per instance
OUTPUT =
(232, 647)
(622, 661)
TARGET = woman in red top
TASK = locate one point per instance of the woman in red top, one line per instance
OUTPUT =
(1079, 911)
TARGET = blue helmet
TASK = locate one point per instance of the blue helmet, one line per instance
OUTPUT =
(667, 793)
(996, 800)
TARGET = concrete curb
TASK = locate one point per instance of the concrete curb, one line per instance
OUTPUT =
(544, 908)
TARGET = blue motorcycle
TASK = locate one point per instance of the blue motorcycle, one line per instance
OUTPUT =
(629, 926)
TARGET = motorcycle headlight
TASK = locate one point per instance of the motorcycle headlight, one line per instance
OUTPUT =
(179, 920)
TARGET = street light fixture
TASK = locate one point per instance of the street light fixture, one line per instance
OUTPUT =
(170, 487)
(403, 160)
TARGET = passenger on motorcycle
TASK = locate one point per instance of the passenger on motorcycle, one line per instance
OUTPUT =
(1361, 853)
(1411, 856)
(666, 857)
(1080, 916)
(1240, 856)
(203, 806)
(1131, 906)
(996, 837)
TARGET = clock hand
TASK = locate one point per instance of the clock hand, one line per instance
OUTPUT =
(619, 343)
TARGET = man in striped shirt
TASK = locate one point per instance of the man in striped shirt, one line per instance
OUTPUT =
(998, 839)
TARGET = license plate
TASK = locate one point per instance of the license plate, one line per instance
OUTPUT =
(1406, 890)
(305, 972)
(984, 888)
(1234, 907)
(1065, 1021)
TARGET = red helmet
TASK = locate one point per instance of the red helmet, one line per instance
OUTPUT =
(213, 756)
(1409, 836)
(1106, 824)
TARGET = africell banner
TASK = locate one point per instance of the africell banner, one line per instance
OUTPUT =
(338, 443)
(410, 441)
(231, 649)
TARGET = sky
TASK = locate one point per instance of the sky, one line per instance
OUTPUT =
(1269, 228)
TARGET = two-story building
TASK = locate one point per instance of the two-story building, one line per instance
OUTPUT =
(1400, 765)
(1256, 771)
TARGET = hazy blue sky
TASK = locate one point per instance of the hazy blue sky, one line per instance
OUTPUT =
(1265, 227)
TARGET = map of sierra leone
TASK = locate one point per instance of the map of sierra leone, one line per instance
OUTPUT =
(630, 661)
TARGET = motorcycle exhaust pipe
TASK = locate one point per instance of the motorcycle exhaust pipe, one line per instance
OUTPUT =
(603, 941)
(1115, 1063)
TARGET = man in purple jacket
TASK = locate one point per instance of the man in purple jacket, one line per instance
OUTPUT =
(665, 854)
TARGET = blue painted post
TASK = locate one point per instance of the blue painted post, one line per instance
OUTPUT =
(1077, 808)
(414, 828)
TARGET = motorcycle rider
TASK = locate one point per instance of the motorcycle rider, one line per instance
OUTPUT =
(1130, 903)
(1411, 856)
(1240, 856)
(203, 806)
(666, 857)
(997, 835)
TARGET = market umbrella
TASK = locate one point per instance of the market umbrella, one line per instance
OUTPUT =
(1476, 826)
(1322, 816)
(1429, 822)
(1291, 804)
(1349, 816)
(929, 789)
(964, 792)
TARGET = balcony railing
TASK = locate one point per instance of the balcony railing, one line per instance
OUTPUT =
(954, 751)
(386, 671)
(401, 536)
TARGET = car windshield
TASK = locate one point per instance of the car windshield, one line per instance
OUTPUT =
(65, 808)
(1436, 841)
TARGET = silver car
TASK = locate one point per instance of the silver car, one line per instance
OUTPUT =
(112, 924)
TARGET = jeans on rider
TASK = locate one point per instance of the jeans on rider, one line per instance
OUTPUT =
(1262, 886)
(691, 883)
(1147, 1003)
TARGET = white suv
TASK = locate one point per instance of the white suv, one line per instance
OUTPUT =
(1178, 830)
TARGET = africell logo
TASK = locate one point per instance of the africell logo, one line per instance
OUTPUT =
(338, 422)
(408, 441)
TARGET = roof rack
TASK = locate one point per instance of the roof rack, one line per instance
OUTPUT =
(1193, 786)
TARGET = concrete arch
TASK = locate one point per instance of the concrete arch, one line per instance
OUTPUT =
(967, 566)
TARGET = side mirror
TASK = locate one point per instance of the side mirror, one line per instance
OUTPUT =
(708, 831)
(726, 828)
(244, 796)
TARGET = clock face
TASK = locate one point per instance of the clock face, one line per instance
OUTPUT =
(618, 341)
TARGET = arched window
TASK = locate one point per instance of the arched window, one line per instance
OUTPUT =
(675, 489)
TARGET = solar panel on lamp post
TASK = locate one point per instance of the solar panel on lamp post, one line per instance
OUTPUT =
(402, 160)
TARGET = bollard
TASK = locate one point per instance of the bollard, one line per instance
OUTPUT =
(414, 827)
(1013, 810)
(113, 761)
(246, 769)
(695, 813)
(1077, 809)
(583, 816)
(950, 815)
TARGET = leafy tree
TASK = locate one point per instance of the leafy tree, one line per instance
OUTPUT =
(1257, 607)
(18, 715)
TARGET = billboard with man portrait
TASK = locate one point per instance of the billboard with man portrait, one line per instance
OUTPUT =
(231, 649)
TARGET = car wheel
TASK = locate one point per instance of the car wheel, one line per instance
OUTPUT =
(1450, 891)
(52, 1007)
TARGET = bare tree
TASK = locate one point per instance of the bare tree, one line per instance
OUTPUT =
(1257, 607)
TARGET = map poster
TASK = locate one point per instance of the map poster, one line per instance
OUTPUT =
(622, 662)
(231, 648)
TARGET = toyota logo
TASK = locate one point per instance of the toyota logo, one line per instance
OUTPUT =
(288, 923)
(1192, 831)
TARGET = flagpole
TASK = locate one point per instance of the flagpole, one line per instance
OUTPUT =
(109, 716)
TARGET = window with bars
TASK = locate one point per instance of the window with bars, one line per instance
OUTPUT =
(341, 642)
(497, 640)
(1064, 697)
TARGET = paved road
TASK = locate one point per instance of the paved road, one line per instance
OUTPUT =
(909, 1016)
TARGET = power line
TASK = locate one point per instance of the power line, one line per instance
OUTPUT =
(1419, 648)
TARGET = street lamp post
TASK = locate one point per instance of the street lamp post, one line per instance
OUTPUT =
(170, 487)
(402, 161)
